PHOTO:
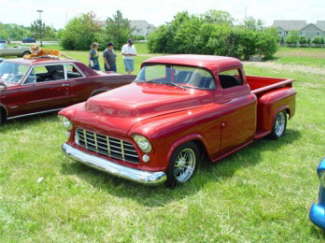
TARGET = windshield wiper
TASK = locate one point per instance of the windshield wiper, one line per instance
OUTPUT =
(177, 85)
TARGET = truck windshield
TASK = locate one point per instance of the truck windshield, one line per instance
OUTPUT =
(180, 76)
(12, 72)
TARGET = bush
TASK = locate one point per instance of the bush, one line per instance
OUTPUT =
(292, 38)
(193, 34)
(303, 40)
(318, 40)
(80, 32)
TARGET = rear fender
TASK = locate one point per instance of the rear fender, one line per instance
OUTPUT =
(272, 103)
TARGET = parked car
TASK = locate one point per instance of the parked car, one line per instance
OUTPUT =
(18, 51)
(317, 211)
(33, 86)
(28, 40)
(1, 60)
(3, 41)
(179, 108)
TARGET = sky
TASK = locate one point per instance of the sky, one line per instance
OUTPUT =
(58, 12)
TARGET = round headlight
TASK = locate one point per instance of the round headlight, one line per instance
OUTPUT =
(143, 143)
(66, 122)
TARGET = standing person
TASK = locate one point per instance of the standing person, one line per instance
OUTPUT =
(93, 56)
(129, 52)
(109, 58)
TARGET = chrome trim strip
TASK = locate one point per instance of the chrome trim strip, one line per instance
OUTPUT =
(140, 176)
(35, 113)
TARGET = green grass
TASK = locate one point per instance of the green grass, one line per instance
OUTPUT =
(314, 57)
(260, 194)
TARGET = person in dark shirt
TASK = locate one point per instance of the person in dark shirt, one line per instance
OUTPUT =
(109, 58)
(93, 56)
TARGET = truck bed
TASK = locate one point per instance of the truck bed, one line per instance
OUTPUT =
(260, 85)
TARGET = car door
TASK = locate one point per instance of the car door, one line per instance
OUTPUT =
(80, 86)
(46, 88)
(238, 124)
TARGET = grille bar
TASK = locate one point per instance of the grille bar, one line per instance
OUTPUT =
(106, 145)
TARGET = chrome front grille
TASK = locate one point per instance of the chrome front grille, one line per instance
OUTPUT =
(106, 145)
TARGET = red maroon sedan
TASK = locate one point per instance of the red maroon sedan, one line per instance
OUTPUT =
(34, 86)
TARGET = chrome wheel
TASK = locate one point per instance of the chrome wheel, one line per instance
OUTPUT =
(185, 164)
(280, 124)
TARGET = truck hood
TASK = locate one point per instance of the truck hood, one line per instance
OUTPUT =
(140, 100)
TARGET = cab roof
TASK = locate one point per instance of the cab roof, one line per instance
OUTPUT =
(212, 63)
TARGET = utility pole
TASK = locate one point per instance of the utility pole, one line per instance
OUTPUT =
(41, 25)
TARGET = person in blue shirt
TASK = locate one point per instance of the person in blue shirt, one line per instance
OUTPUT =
(93, 56)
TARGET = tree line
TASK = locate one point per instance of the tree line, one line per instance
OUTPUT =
(214, 33)
(12, 32)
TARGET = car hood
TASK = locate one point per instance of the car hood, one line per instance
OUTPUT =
(145, 100)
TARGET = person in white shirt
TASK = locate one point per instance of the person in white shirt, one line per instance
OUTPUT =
(129, 52)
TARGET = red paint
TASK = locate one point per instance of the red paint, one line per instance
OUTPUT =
(20, 99)
(222, 120)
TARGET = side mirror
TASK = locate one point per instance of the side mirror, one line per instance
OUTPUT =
(3, 86)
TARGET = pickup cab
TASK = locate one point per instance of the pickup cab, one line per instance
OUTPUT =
(180, 111)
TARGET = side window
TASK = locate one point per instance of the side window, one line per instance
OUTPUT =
(154, 73)
(46, 73)
(72, 72)
(230, 78)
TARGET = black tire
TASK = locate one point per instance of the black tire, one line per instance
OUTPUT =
(178, 172)
(279, 125)
(3, 117)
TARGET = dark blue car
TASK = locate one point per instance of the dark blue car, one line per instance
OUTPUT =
(317, 211)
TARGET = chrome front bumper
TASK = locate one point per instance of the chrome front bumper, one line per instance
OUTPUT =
(140, 176)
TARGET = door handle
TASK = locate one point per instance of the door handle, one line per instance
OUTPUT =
(223, 124)
(65, 85)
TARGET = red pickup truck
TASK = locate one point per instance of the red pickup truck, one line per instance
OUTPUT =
(180, 110)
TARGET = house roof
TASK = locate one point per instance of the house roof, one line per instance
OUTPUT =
(311, 25)
(290, 25)
(321, 24)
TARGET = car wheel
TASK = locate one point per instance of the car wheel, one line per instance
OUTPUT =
(279, 126)
(183, 164)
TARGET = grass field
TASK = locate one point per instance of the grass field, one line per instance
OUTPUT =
(262, 193)
(314, 57)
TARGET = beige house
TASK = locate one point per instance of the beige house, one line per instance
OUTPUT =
(141, 27)
(307, 30)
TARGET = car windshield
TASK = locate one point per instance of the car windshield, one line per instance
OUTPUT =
(180, 76)
(12, 72)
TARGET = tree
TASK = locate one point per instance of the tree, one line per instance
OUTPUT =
(253, 24)
(117, 30)
(80, 32)
(217, 17)
(37, 29)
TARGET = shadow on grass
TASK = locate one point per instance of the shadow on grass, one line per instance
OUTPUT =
(25, 122)
(317, 232)
(160, 195)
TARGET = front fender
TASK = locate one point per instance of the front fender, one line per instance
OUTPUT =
(186, 139)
